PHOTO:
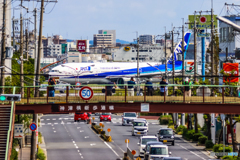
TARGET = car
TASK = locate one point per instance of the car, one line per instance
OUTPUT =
(97, 114)
(172, 158)
(143, 141)
(146, 149)
(127, 118)
(166, 135)
(81, 116)
(157, 152)
(143, 119)
(106, 117)
(139, 127)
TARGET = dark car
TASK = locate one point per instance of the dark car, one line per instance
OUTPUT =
(146, 149)
(166, 135)
(172, 158)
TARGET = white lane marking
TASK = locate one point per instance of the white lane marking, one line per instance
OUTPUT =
(62, 122)
(92, 144)
(68, 122)
(47, 119)
(107, 122)
(74, 122)
(50, 123)
(86, 137)
(55, 123)
(114, 122)
(54, 119)
(81, 122)
(70, 118)
(80, 154)
(53, 128)
(78, 151)
(76, 146)
(81, 130)
(41, 119)
(112, 149)
(192, 152)
(78, 127)
(42, 123)
(82, 157)
(60, 118)
(73, 141)
(54, 131)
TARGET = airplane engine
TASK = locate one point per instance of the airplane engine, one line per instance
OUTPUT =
(122, 81)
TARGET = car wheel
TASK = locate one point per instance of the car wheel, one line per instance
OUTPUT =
(123, 124)
(133, 134)
(75, 120)
(173, 143)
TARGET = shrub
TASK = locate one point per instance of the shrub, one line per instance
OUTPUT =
(41, 154)
(170, 123)
(216, 147)
(209, 144)
(227, 149)
(180, 133)
(202, 139)
(40, 137)
(180, 128)
(14, 154)
(164, 119)
(190, 134)
(230, 158)
(171, 126)
(196, 136)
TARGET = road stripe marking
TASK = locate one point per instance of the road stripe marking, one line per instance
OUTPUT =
(54, 119)
(47, 119)
(55, 123)
(193, 152)
(50, 123)
(54, 131)
(73, 141)
(112, 149)
(42, 123)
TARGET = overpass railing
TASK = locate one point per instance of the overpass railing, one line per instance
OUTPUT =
(173, 93)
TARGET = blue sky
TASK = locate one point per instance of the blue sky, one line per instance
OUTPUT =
(76, 19)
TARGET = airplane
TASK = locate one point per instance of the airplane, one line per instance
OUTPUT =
(119, 72)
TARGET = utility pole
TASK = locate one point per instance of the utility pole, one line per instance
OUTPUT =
(212, 38)
(39, 50)
(35, 47)
(226, 54)
(165, 54)
(21, 53)
(26, 43)
(183, 69)
(138, 88)
(173, 60)
(195, 49)
(3, 53)
(13, 28)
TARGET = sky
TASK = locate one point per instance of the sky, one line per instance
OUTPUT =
(80, 19)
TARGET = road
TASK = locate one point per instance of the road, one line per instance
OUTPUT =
(66, 139)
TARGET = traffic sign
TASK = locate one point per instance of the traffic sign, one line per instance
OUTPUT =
(203, 19)
(78, 84)
(133, 152)
(33, 126)
(109, 130)
(100, 124)
(86, 93)
(138, 158)
(93, 118)
(18, 130)
(127, 141)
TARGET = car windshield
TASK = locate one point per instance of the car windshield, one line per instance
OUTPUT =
(145, 140)
(130, 115)
(139, 124)
(105, 113)
(166, 132)
(158, 151)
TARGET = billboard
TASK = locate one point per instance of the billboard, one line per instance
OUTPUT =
(228, 69)
(202, 21)
(82, 45)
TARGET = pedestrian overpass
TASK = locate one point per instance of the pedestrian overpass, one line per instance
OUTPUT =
(224, 100)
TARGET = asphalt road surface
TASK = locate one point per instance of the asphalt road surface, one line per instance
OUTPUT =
(66, 139)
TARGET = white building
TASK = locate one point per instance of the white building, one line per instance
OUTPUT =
(74, 57)
(147, 39)
(146, 53)
(55, 49)
(105, 38)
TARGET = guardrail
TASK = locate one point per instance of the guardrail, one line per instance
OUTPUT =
(173, 93)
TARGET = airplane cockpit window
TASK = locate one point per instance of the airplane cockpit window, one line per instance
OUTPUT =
(54, 71)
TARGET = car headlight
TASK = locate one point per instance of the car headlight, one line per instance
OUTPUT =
(109, 116)
(161, 137)
(135, 130)
(172, 137)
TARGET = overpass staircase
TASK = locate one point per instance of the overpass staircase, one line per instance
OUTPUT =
(7, 117)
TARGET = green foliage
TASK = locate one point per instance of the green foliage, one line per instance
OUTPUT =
(15, 142)
(202, 139)
(209, 144)
(164, 119)
(231, 158)
(25, 119)
(171, 126)
(40, 137)
(41, 154)
(188, 134)
(14, 154)
(196, 136)
(180, 128)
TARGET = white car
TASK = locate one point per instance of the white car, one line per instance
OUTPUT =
(143, 119)
(143, 141)
(157, 152)
(128, 117)
(139, 127)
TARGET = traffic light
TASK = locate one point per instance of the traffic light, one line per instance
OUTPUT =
(10, 97)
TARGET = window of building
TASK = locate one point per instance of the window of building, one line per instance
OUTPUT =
(133, 58)
(150, 58)
(133, 51)
(73, 60)
(150, 50)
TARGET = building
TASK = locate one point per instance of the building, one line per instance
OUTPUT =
(74, 57)
(105, 50)
(146, 53)
(228, 38)
(147, 39)
(105, 38)
(162, 42)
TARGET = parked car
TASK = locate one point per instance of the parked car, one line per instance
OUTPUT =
(166, 135)
(106, 117)
(139, 127)
(146, 149)
(143, 141)
(156, 152)
(78, 116)
(127, 118)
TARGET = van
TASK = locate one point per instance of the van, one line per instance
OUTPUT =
(156, 152)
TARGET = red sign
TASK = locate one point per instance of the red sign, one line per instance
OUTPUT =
(33, 126)
(86, 93)
(228, 68)
(81, 45)
(78, 84)
(203, 19)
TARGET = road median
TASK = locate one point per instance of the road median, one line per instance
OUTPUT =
(98, 129)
